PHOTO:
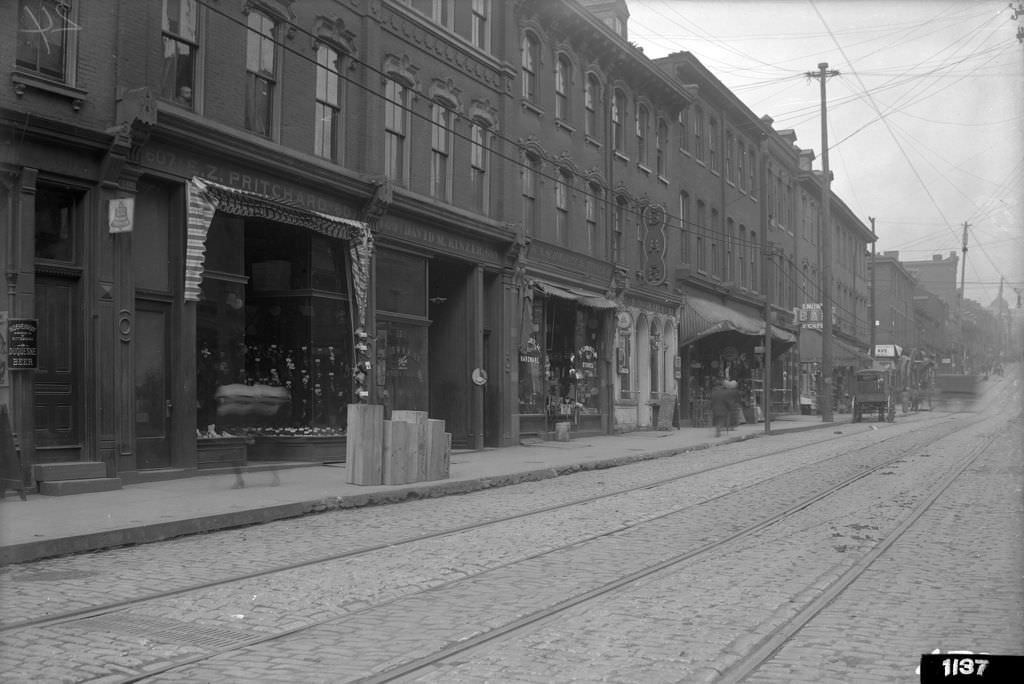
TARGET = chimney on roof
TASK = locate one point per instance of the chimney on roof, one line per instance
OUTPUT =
(613, 13)
(936, 257)
(895, 254)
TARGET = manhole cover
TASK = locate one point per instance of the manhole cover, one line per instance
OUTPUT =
(166, 630)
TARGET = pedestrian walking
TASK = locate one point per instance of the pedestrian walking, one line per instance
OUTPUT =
(732, 387)
(720, 405)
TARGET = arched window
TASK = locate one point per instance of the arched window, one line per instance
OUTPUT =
(591, 94)
(661, 164)
(440, 151)
(530, 61)
(562, 207)
(563, 71)
(479, 163)
(530, 172)
(396, 125)
(618, 113)
(593, 200)
(698, 134)
(643, 124)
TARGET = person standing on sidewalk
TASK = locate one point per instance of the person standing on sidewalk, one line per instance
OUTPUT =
(720, 406)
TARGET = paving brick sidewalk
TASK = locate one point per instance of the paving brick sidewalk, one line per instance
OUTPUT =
(47, 526)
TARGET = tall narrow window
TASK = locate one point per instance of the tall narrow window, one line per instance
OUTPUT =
(618, 112)
(590, 97)
(440, 155)
(684, 130)
(729, 267)
(713, 144)
(592, 201)
(562, 208)
(530, 171)
(441, 12)
(562, 70)
(752, 171)
(620, 226)
(530, 58)
(480, 25)
(686, 228)
(395, 125)
(328, 103)
(48, 38)
(662, 145)
(716, 244)
(730, 144)
(701, 255)
(655, 340)
(741, 160)
(754, 251)
(741, 251)
(261, 74)
(478, 163)
(180, 38)
(642, 126)
(698, 135)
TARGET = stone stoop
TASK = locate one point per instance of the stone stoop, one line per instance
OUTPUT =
(73, 477)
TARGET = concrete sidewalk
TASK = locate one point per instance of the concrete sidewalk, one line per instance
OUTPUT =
(47, 526)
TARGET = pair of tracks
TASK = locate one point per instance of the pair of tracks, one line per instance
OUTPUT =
(510, 629)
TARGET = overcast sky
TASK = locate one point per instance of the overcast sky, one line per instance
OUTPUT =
(925, 118)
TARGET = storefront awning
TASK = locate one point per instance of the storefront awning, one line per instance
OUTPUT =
(591, 299)
(843, 353)
(703, 317)
(206, 197)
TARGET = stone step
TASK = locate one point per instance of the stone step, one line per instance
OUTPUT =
(68, 470)
(83, 486)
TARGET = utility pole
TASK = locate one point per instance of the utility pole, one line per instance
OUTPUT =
(871, 302)
(963, 293)
(766, 259)
(822, 74)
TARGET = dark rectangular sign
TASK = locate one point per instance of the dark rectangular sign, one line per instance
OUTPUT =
(22, 343)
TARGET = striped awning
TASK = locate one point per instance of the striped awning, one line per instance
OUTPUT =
(702, 317)
(584, 297)
(206, 197)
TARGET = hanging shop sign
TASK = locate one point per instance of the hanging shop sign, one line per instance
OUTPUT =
(677, 367)
(22, 343)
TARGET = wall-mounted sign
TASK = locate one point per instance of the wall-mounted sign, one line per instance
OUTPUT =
(624, 319)
(121, 215)
(479, 377)
(22, 343)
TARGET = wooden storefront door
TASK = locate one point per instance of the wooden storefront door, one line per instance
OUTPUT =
(153, 407)
(58, 376)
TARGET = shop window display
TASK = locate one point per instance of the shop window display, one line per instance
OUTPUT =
(273, 332)
(571, 336)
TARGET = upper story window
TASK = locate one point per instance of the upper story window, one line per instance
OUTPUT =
(592, 215)
(716, 238)
(730, 151)
(643, 124)
(440, 152)
(698, 135)
(530, 60)
(480, 25)
(686, 228)
(661, 162)
(441, 12)
(752, 171)
(700, 255)
(396, 125)
(562, 207)
(618, 112)
(740, 162)
(328, 103)
(741, 256)
(621, 209)
(563, 69)
(684, 130)
(530, 171)
(261, 73)
(591, 94)
(728, 266)
(48, 38)
(713, 144)
(479, 162)
(181, 42)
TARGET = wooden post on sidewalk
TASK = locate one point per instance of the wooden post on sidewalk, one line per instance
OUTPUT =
(364, 444)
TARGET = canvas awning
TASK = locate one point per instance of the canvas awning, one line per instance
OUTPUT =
(843, 353)
(584, 297)
(703, 317)
(206, 197)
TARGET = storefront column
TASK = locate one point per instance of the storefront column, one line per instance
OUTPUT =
(476, 326)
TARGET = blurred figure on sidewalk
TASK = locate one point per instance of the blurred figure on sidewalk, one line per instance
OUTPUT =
(720, 406)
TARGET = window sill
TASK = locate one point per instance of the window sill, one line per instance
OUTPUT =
(621, 157)
(646, 170)
(565, 126)
(590, 140)
(23, 80)
(664, 181)
(531, 107)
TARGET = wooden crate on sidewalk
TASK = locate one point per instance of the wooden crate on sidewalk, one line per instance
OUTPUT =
(365, 444)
